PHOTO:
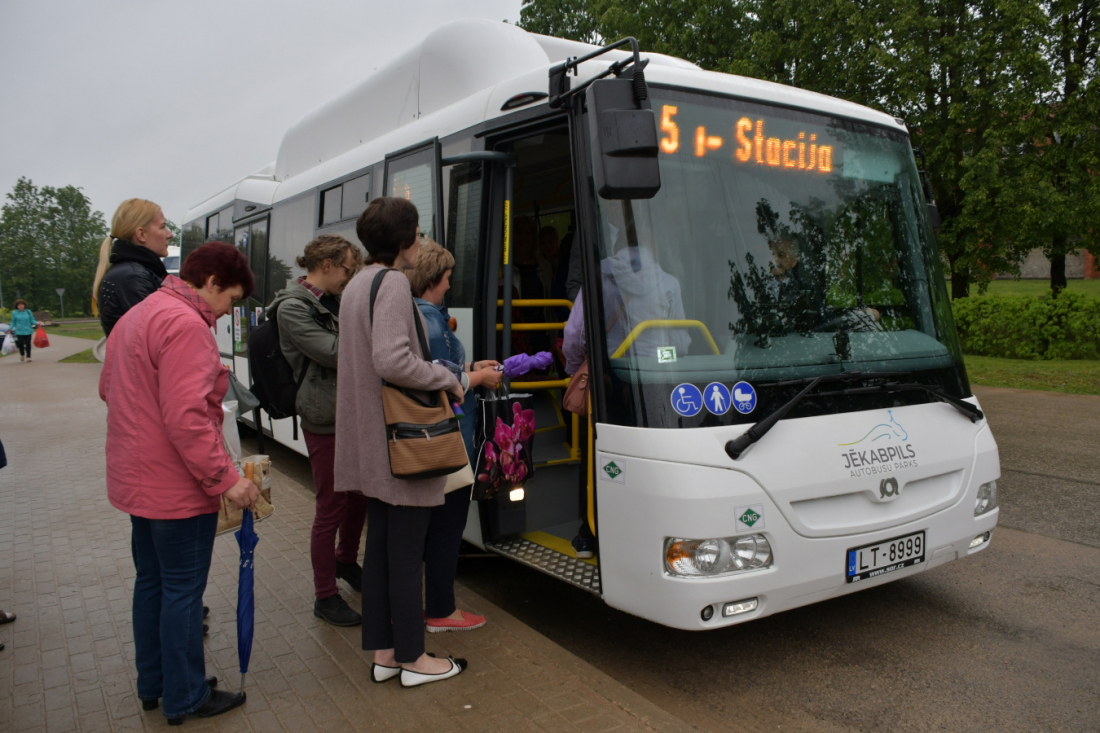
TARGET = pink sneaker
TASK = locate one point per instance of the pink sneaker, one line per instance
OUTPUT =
(469, 622)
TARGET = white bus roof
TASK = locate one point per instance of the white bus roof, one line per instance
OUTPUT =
(459, 76)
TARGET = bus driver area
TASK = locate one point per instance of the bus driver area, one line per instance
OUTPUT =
(779, 414)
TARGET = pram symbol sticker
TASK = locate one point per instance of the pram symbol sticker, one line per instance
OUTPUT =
(666, 354)
(717, 397)
(687, 400)
(744, 397)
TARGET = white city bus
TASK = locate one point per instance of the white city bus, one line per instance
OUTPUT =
(780, 412)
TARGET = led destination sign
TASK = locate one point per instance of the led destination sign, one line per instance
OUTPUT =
(751, 143)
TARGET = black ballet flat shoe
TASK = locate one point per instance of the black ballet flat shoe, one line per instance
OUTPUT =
(220, 701)
(148, 705)
(205, 611)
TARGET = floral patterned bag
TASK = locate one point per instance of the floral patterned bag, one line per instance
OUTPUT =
(504, 460)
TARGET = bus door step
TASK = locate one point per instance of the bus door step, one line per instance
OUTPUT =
(576, 572)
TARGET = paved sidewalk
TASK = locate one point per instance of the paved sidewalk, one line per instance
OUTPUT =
(66, 570)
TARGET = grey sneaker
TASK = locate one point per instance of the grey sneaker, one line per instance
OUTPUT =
(336, 611)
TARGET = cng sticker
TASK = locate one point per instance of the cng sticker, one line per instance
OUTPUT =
(611, 471)
(750, 517)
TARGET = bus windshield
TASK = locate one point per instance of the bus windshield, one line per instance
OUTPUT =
(783, 245)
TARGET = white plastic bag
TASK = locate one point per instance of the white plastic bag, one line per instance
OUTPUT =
(9, 345)
(230, 436)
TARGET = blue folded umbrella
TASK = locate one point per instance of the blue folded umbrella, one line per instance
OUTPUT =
(246, 597)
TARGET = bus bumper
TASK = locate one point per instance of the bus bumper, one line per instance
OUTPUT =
(651, 500)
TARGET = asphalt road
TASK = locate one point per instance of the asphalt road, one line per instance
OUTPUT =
(1005, 640)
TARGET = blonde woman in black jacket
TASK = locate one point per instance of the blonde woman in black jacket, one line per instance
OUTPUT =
(139, 238)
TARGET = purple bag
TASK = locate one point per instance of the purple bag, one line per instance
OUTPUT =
(504, 459)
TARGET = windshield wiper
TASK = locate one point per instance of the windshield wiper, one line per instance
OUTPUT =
(736, 447)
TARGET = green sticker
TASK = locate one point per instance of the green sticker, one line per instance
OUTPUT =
(612, 470)
(749, 518)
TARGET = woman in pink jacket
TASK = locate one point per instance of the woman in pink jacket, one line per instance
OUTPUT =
(163, 383)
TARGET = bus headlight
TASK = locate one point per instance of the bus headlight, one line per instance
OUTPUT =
(987, 498)
(723, 556)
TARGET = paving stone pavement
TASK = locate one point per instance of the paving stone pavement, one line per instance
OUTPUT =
(66, 570)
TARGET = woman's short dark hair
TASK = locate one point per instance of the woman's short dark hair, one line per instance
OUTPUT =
(387, 226)
(224, 262)
(18, 301)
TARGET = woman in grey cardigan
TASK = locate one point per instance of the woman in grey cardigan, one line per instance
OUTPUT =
(398, 511)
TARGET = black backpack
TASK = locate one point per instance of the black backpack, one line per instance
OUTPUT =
(273, 381)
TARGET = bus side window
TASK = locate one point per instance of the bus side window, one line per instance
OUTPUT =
(462, 194)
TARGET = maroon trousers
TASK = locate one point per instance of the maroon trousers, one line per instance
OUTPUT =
(343, 514)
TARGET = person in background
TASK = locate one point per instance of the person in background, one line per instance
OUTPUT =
(549, 248)
(22, 328)
(139, 238)
(307, 313)
(5, 617)
(430, 281)
(163, 382)
(386, 347)
(635, 290)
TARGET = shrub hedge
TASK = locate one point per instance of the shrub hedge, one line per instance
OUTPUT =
(1018, 327)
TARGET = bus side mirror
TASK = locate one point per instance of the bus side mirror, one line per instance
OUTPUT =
(624, 141)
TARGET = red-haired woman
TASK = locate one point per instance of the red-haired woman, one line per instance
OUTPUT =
(163, 383)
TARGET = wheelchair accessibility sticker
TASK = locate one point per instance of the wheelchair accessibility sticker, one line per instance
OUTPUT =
(744, 397)
(687, 400)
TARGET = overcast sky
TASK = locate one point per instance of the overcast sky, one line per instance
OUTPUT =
(174, 101)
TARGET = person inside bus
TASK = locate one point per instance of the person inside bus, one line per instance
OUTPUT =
(430, 282)
(163, 382)
(139, 238)
(372, 349)
(635, 289)
(307, 313)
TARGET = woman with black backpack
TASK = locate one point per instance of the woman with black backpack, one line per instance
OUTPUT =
(307, 314)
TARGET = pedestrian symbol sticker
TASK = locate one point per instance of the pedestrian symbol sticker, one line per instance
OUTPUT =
(744, 397)
(717, 398)
(687, 400)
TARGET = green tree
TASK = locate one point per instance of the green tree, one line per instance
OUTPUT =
(964, 74)
(49, 239)
(1063, 140)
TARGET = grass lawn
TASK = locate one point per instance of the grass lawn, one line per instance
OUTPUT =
(91, 331)
(1071, 376)
(83, 357)
(1035, 288)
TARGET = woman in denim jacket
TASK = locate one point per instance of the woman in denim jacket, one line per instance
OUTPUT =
(430, 281)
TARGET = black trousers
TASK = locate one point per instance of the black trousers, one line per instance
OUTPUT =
(441, 552)
(24, 344)
(393, 616)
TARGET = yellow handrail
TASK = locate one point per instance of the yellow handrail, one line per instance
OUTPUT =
(646, 325)
(546, 384)
(534, 326)
(591, 459)
(537, 303)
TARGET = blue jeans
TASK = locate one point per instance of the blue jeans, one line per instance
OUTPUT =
(172, 558)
